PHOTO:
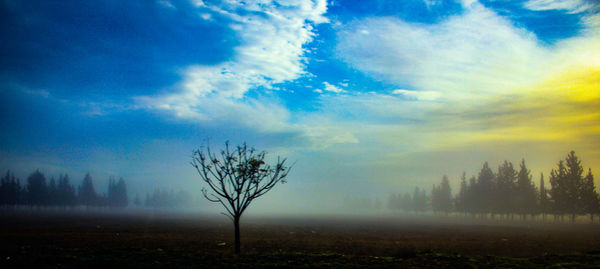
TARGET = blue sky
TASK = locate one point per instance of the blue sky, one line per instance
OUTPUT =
(372, 95)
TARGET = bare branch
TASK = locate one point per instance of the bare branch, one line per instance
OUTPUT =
(237, 177)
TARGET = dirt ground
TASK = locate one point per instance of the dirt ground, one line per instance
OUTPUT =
(58, 239)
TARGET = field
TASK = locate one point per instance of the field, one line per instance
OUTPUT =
(57, 239)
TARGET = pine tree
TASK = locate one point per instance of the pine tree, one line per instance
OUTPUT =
(435, 199)
(589, 195)
(111, 192)
(505, 195)
(568, 185)
(117, 193)
(544, 203)
(461, 197)
(66, 191)
(559, 190)
(121, 189)
(445, 196)
(471, 197)
(87, 192)
(5, 189)
(15, 191)
(526, 192)
(484, 190)
(52, 193)
(37, 191)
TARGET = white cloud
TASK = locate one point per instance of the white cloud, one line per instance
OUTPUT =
(198, 3)
(469, 3)
(471, 54)
(332, 88)
(572, 6)
(206, 16)
(272, 38)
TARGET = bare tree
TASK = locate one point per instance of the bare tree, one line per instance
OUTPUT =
(235, 177)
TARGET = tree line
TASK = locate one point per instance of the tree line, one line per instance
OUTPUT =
(510, 191)
(39, 192)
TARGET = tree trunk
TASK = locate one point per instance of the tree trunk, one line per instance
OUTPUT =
(572, 218)
(236, 224)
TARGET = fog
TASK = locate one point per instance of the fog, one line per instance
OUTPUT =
(342, 189)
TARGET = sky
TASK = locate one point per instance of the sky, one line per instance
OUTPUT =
(367, 98)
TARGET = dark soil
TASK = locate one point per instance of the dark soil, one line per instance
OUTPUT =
(82, 239)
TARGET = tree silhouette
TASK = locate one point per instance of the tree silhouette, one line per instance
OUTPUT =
(66, 192)
(61, 192)
(510, 192)
(52, 198)
(526, 193)
(544, 203)
(117, 193)
(460, 203)
(589, 195)
(10, 190)
(485, 190)
(435, 199)
(419, 200)
(471, 197)
(504, 191)
(441, 197)
(569, 189)
(87, 192)
(37, 190)
(236, 177)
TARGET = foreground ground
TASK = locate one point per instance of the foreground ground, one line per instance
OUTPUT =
(56, 239)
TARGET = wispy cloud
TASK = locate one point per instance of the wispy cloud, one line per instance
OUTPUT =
(272, 39)
(472, 54)
(572, 6)
(330, 88)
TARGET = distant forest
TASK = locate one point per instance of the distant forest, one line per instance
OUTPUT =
(39, 192)
(509, 192)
